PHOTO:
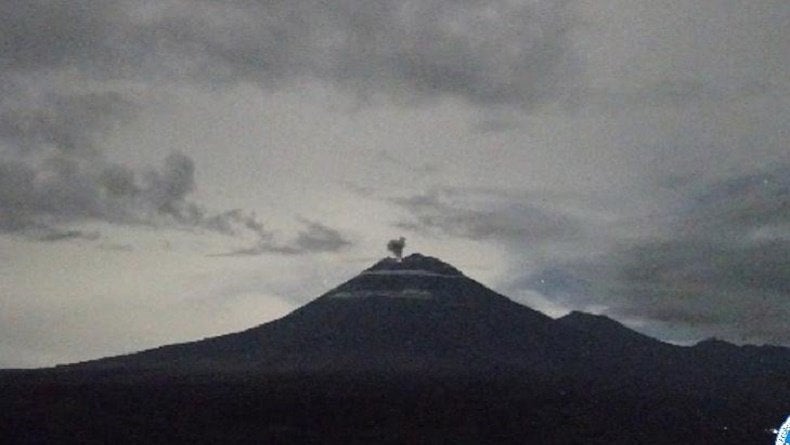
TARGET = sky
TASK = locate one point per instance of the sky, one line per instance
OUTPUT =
(176, 169)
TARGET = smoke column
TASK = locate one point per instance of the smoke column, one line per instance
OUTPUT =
(396, 246)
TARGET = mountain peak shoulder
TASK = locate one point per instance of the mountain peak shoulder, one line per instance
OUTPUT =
(598, 324)
(586, 317)
(713, 342)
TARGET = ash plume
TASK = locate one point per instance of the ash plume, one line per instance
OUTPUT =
(396, 247)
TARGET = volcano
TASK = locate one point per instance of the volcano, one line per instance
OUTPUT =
(412, 314)
(411, 350)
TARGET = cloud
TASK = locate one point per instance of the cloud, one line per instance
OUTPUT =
(715, 262)
(719, 266)
(500, 217)
(314, 238)
(736, 205)
(54, 236)
(67, 74)
(317, 237)
(61, 190)
(68, 123)
(483, 51)
(40, 34)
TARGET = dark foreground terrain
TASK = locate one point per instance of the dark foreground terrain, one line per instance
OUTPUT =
(410, 351)
(373, 409)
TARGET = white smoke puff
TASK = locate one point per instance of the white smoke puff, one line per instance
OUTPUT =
(396, 246)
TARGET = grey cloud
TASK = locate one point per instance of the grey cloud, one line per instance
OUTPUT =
(115, 247)
(50, 157)
(59, 190)
(118, 180)
(317, 237)
(483, 51)
(64, 122)
(56, 235)
(517, 219)
(16, 195)
(53, 172)
(389, 160)
(40, 34)
(707, 272)
(170, 186)
(669, 92)
(735, 205)
(313, 238)
(714, 263)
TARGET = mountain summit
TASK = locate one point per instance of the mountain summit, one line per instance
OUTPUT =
(415, 263)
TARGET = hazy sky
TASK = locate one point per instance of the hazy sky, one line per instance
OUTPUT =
(176, 169)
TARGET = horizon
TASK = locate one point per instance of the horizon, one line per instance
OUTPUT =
(171, 170)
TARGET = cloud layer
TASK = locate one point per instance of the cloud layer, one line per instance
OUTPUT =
(64, 69)
(716, 263)
(484, 51)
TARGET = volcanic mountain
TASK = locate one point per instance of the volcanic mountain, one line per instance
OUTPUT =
(420, 314)
(414, 346)
(417, 313)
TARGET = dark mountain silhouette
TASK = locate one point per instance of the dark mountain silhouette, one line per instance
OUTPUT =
(407, 351)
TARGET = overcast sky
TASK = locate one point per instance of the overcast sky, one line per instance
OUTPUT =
(177, 169)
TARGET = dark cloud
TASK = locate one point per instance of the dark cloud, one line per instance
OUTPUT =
(313, 238)
(483, 51)
(16, 195)
(716, 262)
(41, 34)
(168, 187)
(68, 123)
(53, 169)
(54, 235)
(668, 92)
(734, 206)
(507, 219)
(388, 161)
(39, 197)
(720, 267)
(52, 164)
(316, 237)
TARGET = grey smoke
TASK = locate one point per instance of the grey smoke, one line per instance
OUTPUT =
(396, 247)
